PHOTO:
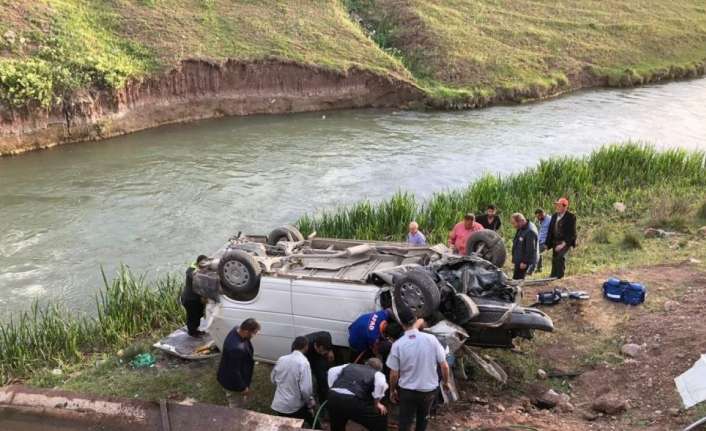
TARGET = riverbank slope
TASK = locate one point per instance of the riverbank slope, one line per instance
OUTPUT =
(86, 69)
(52, 347)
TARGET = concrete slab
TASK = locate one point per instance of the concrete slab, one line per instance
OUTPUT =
(29, 409)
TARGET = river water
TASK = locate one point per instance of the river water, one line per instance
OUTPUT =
(154, 200)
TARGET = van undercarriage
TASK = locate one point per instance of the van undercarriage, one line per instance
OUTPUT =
(436, 284)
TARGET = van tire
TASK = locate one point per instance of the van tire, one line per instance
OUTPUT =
(239, 274)
(487, 244)
(418, 291)
(284, 233)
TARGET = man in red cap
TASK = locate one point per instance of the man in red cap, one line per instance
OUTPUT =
(561, 236)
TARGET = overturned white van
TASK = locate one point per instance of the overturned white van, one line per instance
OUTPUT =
(295, 286)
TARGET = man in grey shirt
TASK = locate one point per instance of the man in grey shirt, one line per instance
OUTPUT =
(356, 393)
(291, 375)
(414, 380)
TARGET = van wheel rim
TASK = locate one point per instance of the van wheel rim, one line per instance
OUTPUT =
(236, 273)
(411, 295)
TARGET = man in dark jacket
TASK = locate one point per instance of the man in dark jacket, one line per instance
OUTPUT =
(237, 360)
(320, 356)
(490, 219)
(192, 302)
(524, 247)
(356, 395)
(561, 236)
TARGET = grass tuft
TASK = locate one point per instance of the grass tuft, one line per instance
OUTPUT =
(670, 212)
(631, 241)
(701, 213)
(601, 236)
(51, 336)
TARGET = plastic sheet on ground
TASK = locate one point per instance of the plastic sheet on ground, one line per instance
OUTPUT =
(692, 384)
(180, 343)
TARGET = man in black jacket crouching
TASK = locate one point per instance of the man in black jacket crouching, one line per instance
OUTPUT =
(356, 393)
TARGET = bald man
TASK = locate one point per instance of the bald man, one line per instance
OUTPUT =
(415, 237)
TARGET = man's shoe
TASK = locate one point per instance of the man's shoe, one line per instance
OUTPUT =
(197, 334)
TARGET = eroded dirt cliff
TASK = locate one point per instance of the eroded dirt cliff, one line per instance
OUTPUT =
(199, 89)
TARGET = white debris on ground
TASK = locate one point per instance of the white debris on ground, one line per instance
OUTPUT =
(692, 383)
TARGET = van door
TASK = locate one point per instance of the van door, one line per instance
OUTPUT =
(330, 306)
(272, 307)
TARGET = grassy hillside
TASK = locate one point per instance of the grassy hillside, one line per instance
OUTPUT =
(50, 47)
(453, 48)
(478, 46)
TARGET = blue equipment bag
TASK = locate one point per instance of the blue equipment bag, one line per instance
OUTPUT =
(624, 291)
(613, 290)
(634, 294)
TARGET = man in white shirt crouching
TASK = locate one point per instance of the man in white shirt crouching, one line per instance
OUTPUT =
(294, 396)
(356, 393)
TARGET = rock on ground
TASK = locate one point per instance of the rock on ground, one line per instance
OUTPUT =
(670, 306)
(609, 405)
(551, 399)
(632, 350)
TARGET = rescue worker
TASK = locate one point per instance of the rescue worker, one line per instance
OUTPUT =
(524, 247)
(291, 375)
(414, 380)
(561, 236)
(367, 331)
(237, 362)
(458, 237)
(356, 395)
(320, 356)
(192, 303)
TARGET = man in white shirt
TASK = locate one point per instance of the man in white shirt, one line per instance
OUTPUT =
(414, 380)
(292, 377)
(355, 394)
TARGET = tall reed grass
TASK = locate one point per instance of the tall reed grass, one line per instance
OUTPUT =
(629, 172)
(50, 336)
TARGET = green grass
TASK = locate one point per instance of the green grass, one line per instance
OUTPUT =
(64, 45)
(526, 48)
(702, 211)
(634, 174)
(172, 379)
(463, 53)
(631, 240)
(51, 336)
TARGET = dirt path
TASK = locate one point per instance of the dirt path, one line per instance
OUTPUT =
(588, 338)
